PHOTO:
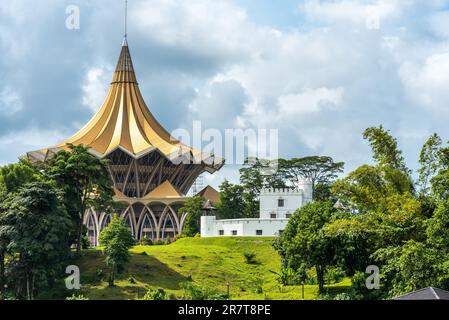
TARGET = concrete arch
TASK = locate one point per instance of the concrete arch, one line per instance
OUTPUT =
(147, 211)
(90, 214)
(175, 215)
(129, 212)
(103, 217)
(145, 216)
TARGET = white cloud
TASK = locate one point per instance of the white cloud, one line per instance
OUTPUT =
(309, 101)
(212, 29)
(95, 86)
(363, 13)
(32, 138)
(427, 82)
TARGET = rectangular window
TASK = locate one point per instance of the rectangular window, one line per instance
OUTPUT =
(288, 215)
(259, 232)
(281, 232)
(273, 216)
(281, 203)
(221, 232)
(234, 232)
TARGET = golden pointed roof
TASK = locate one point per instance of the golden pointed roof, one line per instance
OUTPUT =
(124, 121)
(165, 190)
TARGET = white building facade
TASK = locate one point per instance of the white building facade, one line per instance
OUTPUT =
(276, 208)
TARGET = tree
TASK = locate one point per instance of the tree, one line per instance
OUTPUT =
(14, 176)
(440, 181)
(37, 228)
(116, 239)
(232, 203)
(85, 181)
(193, 207)
(304, 244)
(316, 170)
(438, 227)
(409, 267)
(385, 149)
(429, 160)
(368, 188)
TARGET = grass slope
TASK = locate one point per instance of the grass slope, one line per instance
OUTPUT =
(211, 262)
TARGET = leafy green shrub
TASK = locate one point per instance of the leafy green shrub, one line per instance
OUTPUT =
(158, 294)
(250, 257)
(159, 243)
(286, 277)
(146, 242)
(194, 292)
(334, 275)
(77, 297)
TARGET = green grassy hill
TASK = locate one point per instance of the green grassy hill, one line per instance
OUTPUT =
(211, 262)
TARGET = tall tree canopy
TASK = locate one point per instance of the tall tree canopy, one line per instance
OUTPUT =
(36, 226)
(304, 245)
(316, 170)
(85, 182)
(429, 161)
(385, 148)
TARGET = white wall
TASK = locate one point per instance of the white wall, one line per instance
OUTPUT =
(210, 227)
(269, 200)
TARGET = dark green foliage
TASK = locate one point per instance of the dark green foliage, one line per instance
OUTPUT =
(85, 182)
(116, 239)
(232, 201)
(14, 176)
(250, 257)
(316, 170)
(304, 245)
(158, 294)
(193, 207)
(197, 293)
(36, 226)
(410, 267)
(386, 224)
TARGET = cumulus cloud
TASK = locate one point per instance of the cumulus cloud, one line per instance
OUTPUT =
(95, 86)
(427, 82)
(362, 13)
(309, 101)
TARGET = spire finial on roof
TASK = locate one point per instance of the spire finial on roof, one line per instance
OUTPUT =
(125, 42)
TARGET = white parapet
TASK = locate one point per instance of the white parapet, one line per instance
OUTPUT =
(210, 227)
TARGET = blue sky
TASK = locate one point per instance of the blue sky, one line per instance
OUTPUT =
(319, 71)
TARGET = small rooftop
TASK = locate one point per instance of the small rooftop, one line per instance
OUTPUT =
(429, 293)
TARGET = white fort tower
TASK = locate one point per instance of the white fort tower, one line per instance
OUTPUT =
(276, 208)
